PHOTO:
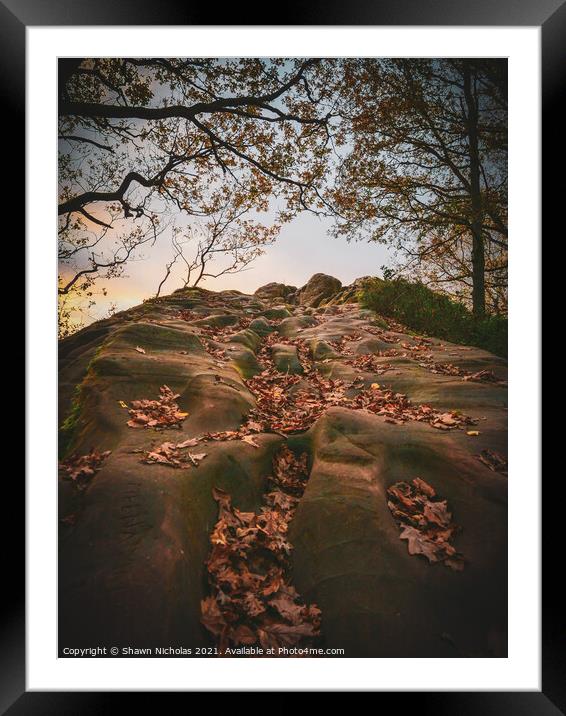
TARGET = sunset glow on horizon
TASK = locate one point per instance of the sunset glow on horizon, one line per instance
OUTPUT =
(303, 249)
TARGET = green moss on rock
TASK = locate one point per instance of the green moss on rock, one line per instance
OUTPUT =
(289, 327)
(276, 312)
(68, 428)
(321, 350)
(261, 326)
(286, 359)
(245, 362)
(153, 338)
(248, 338)
(217, 321)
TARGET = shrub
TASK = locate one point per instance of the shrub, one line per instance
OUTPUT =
(425, 311)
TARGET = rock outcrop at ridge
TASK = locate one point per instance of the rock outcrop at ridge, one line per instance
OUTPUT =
(276, 291)
(318, 288)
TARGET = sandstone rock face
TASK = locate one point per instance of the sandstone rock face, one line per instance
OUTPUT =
(318, 288)
(286, 359)
(261, 326)
(377, 600)
(134, 541)
(274, 291)
(347, 294)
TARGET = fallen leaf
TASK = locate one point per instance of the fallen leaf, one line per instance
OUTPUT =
(160, 413)
(437, 512)
(197, 457)
(425, 522)
(81, 468)
(243, 635)
(424, 487)
(212, 617)
(249, 570)
(191, 442)
(419, 544)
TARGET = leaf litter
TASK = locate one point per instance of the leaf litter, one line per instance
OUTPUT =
(292, 403)
(82, 468)
(252, 600)
(425, 521)
(161, 413)
(174, 455)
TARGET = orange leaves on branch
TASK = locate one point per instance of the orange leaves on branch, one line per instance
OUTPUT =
(252, 600)
(425, 522)
(161, 413)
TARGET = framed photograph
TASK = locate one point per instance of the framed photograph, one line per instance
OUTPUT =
(283, 369)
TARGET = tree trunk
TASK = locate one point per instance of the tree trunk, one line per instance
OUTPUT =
(478, 251)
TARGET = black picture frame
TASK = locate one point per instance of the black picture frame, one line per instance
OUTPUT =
(15, 16)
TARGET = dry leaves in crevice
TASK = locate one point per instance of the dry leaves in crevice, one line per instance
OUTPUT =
(419, 346)
(425, 522)
(212, 335)
(494, 461)
(396, 408)
(82, 468)
(174, 455)
(380, 333)
(279, 409)
(480, 376)
(370, 363)
(185, 314)
(161, 413)
(291, 403)
(483, 376)
(252, 600)
(343, 345)
(218, 353)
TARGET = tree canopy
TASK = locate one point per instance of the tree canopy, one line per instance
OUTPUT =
(141, 139)
(427, 170)
(408, 152)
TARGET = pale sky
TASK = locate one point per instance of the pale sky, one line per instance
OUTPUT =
(302, 249)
